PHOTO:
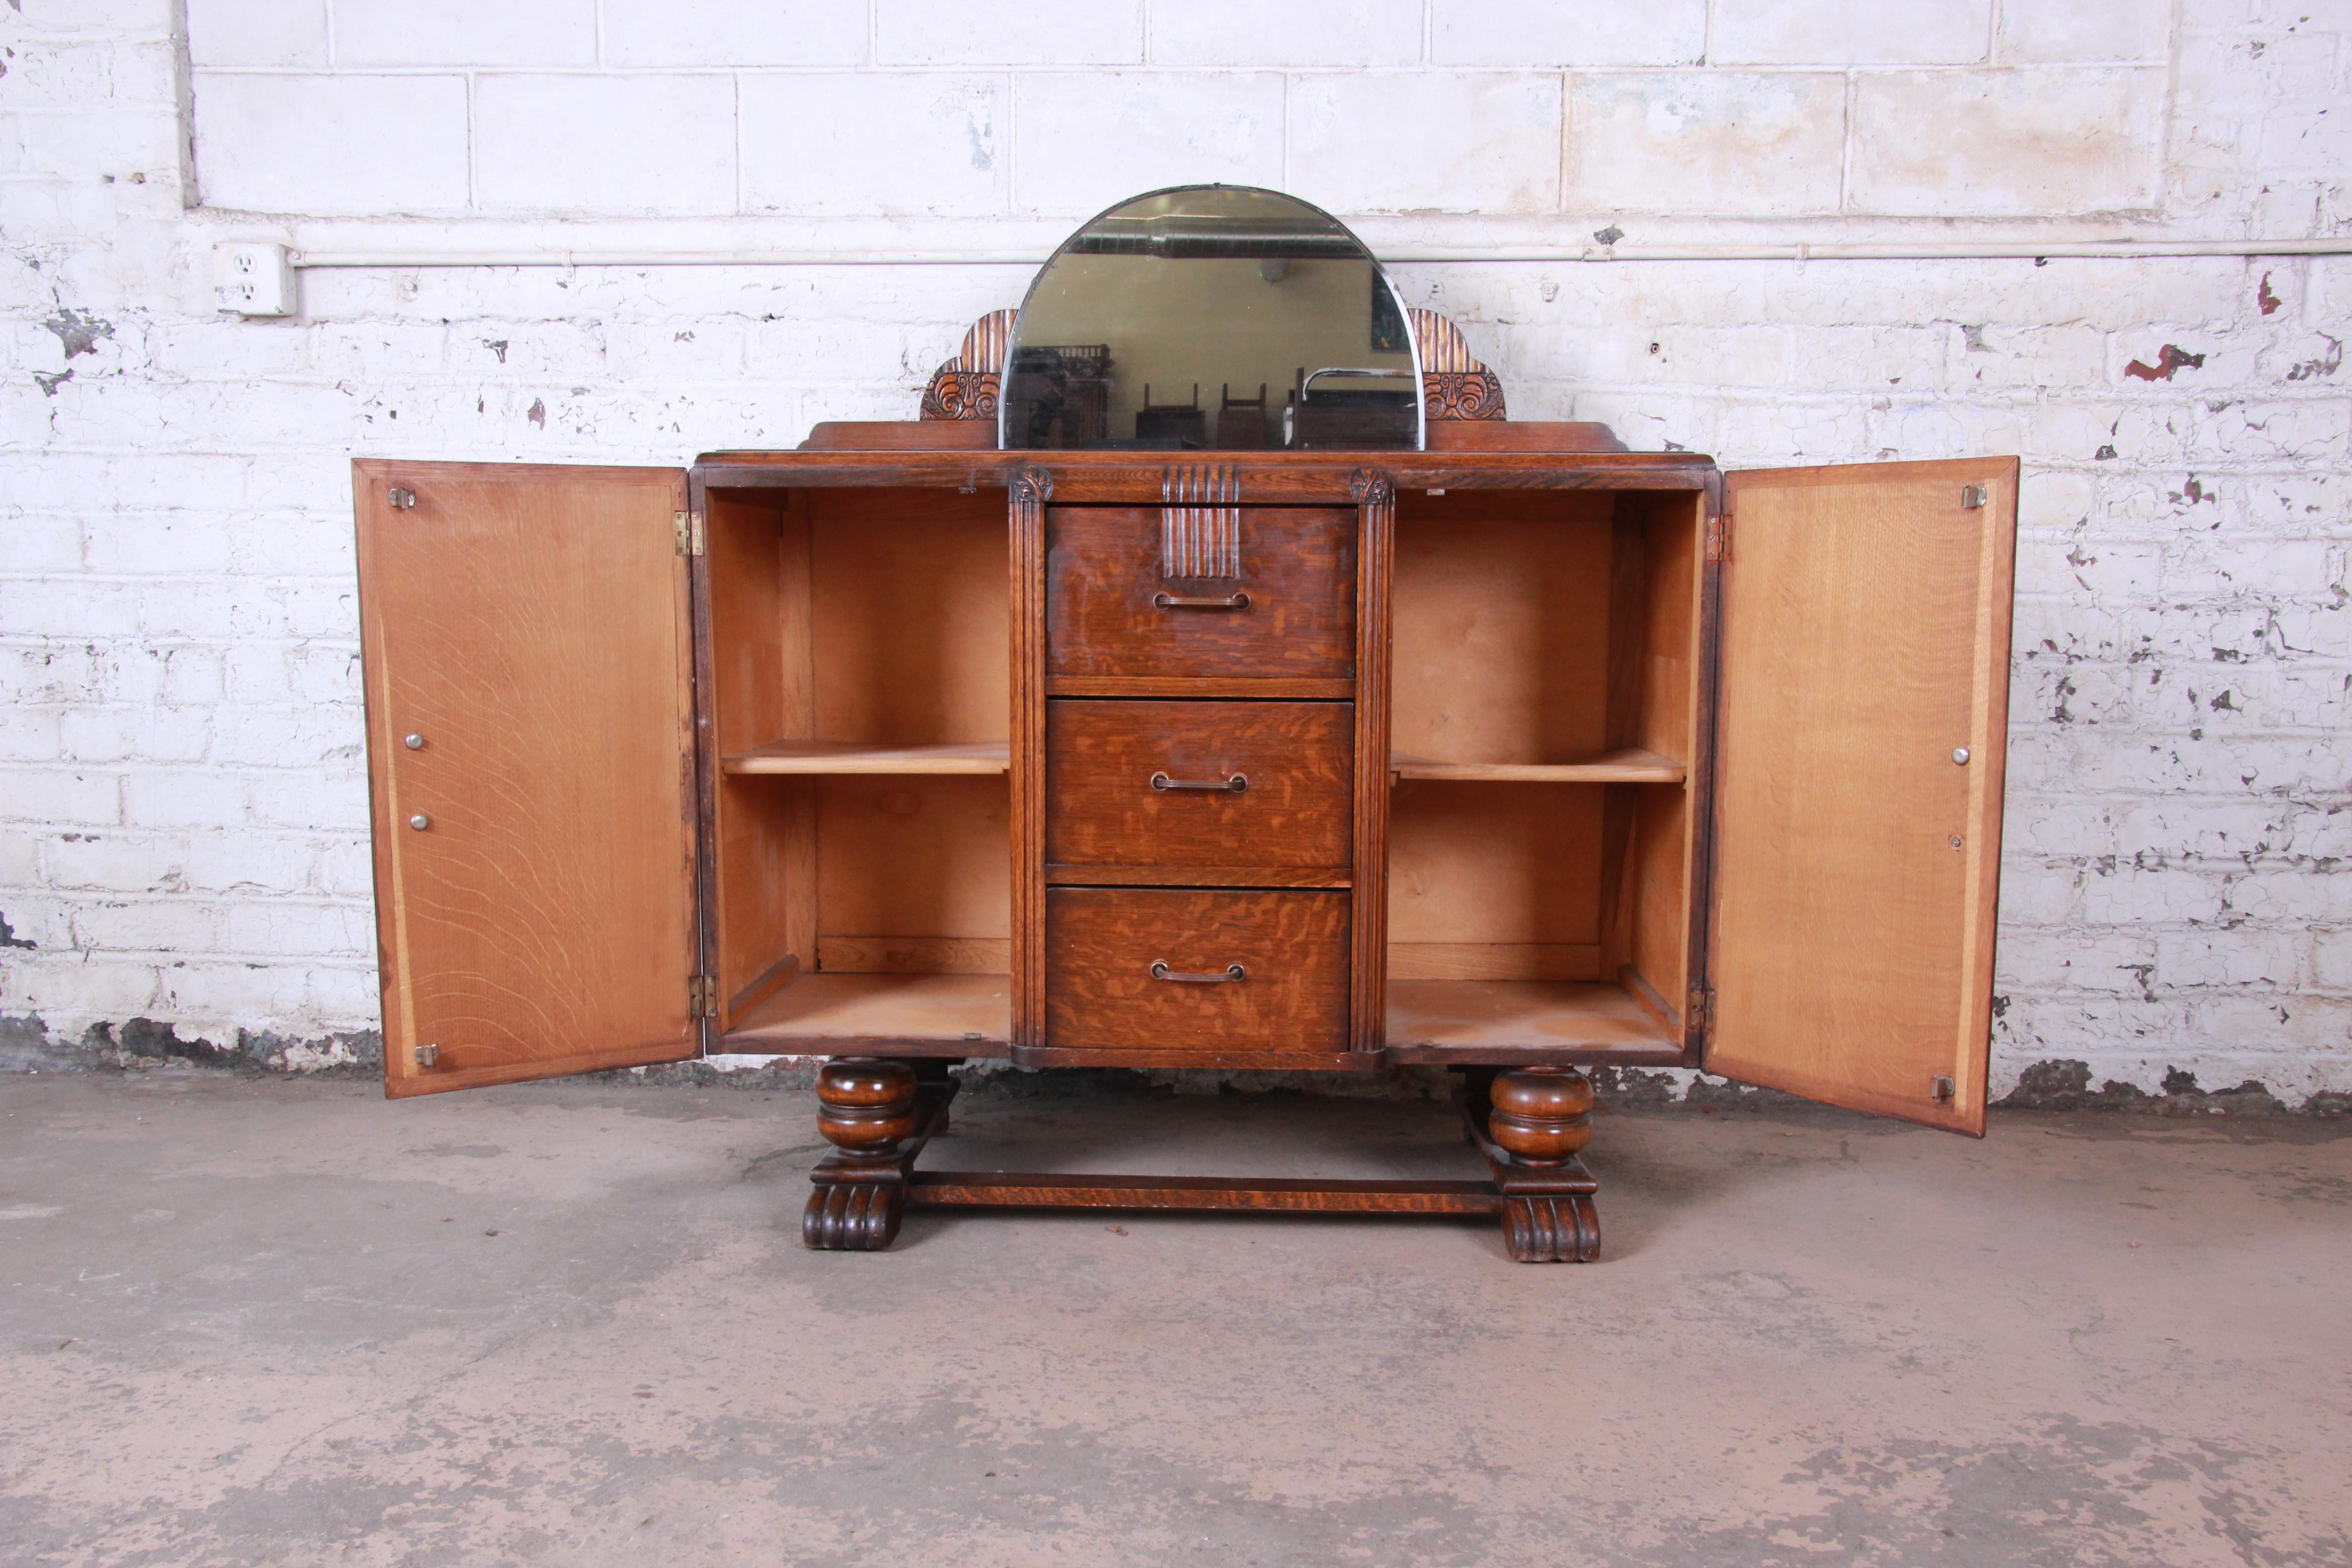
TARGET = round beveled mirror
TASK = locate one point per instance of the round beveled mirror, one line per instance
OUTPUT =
(1211, 318)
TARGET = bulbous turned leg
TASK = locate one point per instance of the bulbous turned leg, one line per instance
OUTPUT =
(863, 1106)
(1541, 1118)
(1541, 1115)
(866, 1109)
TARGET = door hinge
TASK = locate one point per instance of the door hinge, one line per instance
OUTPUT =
(402, 497)
(1701, 1014)
(1718, 537)
(1940, 1087)
(1973, 497)
(701, 997)
(426, 1056)
(688, 527)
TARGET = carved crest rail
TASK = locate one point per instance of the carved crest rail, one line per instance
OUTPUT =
(1200, 522)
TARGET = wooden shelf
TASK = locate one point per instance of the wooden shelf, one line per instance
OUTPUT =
(1630, 765)
(859, 757)
(1520, 1021)
(817, 1013)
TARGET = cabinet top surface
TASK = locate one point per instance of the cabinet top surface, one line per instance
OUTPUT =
(1279, 471)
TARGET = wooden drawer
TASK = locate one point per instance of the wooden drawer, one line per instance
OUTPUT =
(1119, 794)
(1103, 578)
(1101, 992)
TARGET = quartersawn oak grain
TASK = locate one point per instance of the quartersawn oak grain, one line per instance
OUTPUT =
(861, 757)
(906, 1015)
(1368, 941)
(1627, 764)
(759, 848)
(1101, 942)
(851, 634)
(1103, 571)
(1101, 807)
(541, 920)
(1864, 638)
(1520, 1021)
(1032, 488)
(999, 1189)
(1578, 851)
(1270, 478)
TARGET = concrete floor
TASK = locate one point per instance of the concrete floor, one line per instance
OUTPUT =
(246, 1322)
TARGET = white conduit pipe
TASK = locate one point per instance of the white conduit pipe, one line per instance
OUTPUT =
(1960, 250)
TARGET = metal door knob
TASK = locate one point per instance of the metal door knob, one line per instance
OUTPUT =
(1960, 755)
(413, 742)
(420, 822)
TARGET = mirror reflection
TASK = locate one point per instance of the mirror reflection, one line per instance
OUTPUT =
(1217, 318)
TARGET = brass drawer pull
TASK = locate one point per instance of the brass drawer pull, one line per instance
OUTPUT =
(1235, 784)
(1233, 971)
(1179, 601)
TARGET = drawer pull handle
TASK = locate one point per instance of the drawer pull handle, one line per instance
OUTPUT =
(1233, 971)
(1235, 784)
(1179, 602)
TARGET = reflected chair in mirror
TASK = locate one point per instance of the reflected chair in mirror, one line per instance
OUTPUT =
(1241, 421)
(1171, 424)
(1059, 395)
(1348, 406)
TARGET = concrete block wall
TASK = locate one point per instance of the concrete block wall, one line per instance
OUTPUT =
(182, 791)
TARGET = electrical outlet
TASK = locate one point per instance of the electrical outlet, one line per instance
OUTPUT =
(253, 280)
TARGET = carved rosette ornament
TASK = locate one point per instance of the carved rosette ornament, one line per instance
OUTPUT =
(1453, 385)
(957, 393)
(1032, 487)
(967, 387)
(1452, 395)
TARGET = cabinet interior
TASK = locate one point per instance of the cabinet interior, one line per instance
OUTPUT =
(860, 661)
(1544, 701)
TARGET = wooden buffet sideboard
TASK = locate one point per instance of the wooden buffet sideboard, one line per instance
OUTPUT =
(1517, 756)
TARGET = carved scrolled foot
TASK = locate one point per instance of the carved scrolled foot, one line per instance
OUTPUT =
(1562, 1228)
(1541, 1115)
(853, 1217)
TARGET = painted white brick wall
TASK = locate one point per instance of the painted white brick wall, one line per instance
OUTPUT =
(182, 792)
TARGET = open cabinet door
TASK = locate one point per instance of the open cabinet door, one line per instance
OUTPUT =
(1864, 699)
(528, 650)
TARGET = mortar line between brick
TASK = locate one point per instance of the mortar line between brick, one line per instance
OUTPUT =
(473, 143)
(910, 68)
